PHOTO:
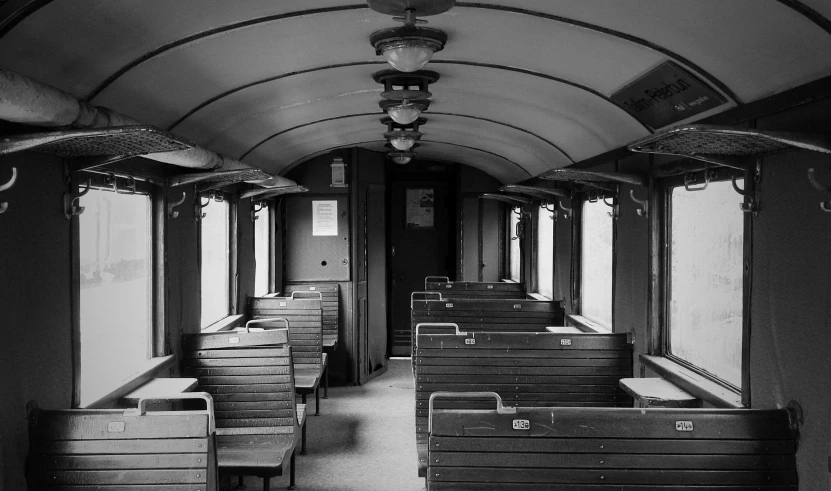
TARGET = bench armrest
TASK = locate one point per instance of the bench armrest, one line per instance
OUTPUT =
(412, 296)
(317, 294)
(500, 409)
(264, 321)
(141, 409)
(438, 324)
(437, 279)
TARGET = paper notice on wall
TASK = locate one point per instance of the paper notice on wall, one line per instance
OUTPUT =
(420, 207)
(324, 218)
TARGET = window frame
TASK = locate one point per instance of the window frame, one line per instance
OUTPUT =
(270, 218)
(510, 234)
(577, 251)
(233, 255)
(662, 226)
(159, 358)
(535, 263)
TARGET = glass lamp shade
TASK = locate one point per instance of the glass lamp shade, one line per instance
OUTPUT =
(408, 58)
(402, 143)
(402, 159)
(404, 114)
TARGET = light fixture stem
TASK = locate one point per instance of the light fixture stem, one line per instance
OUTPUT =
(409, 18)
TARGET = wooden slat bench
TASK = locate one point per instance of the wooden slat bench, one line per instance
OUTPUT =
(132, 449)
(478, 315)
(304, 318)
(525, 369)
(473, 289)
(330, 304)
(599, 449)
(250, 376)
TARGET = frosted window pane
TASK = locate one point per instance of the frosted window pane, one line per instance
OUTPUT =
(705, 299)
(116, 289)
(215, 267)
(261, 256)
(513, 251)
(545, 253)
(596, 263)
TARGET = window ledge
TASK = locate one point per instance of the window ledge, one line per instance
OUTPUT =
(697, 385)
(225, 324)
(507, 280)
(537, 296)
(587, 325)
(154, 367)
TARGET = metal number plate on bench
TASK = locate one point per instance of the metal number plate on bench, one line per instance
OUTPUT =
(683, 425)
(565, 342)
(470, 341)
(448, 305)
(522, 424)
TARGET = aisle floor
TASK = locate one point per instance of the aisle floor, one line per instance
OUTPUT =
(363, 440)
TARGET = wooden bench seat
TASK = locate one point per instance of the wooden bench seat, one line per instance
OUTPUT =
(304, 320)
(598, 449)
(525, 369)
(251, 378)
(478, 315)
(330, 304)
(473, 289)
(132, 449)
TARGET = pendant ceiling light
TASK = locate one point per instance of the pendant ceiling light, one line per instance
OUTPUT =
(409, 48)
(401, 158)
(402, 137)
(406, 111)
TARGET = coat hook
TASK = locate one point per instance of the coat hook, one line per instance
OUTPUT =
(255, 209)
(824, 205)
(566, 211)
(4, 205)
(644, 204)
(615, 211)
(170, 206)
(691, 178)
(748, 206)
(70, 208)
(112, 180)
(197, 207)
(552, 209)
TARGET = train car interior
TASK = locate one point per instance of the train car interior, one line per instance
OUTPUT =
(415, 244)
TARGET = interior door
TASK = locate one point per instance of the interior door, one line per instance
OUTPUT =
(420, 219)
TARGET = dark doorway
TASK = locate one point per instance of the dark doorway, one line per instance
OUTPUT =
(421, 237)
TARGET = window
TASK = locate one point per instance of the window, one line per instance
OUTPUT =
(215, 264)
(514, 260)
(545, 253)
(597, 235)
(262, 255)
(116, 290)
(705, 294)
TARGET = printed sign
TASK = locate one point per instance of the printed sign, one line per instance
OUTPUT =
(666, 95)
(420, 202)
(324, 218)
(522, 424)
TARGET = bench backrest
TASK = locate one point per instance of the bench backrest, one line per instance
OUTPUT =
(249, 375)
(610, 448)
(485, 315)
(304, 316)
(473, 289)
(525, 369)
(84, 449)
(330, 299)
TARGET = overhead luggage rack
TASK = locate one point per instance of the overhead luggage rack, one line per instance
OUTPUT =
(725, 146)
(267, 193)
(512, 200)
(219, 178)
(124, 141)
(546, 194)
(597, 179)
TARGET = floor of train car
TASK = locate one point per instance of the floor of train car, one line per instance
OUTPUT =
(363, 440)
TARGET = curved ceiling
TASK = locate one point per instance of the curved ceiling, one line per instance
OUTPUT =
(525, 85)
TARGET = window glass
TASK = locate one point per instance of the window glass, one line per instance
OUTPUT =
(705, 269)
(261, 252)
(545, 253)
(513, 248)
(215, 265)
(115, 291)
(596, 262)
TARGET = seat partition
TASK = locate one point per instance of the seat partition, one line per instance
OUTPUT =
(132, 449)
(568, 449)
(329, 294)
(474, 289)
